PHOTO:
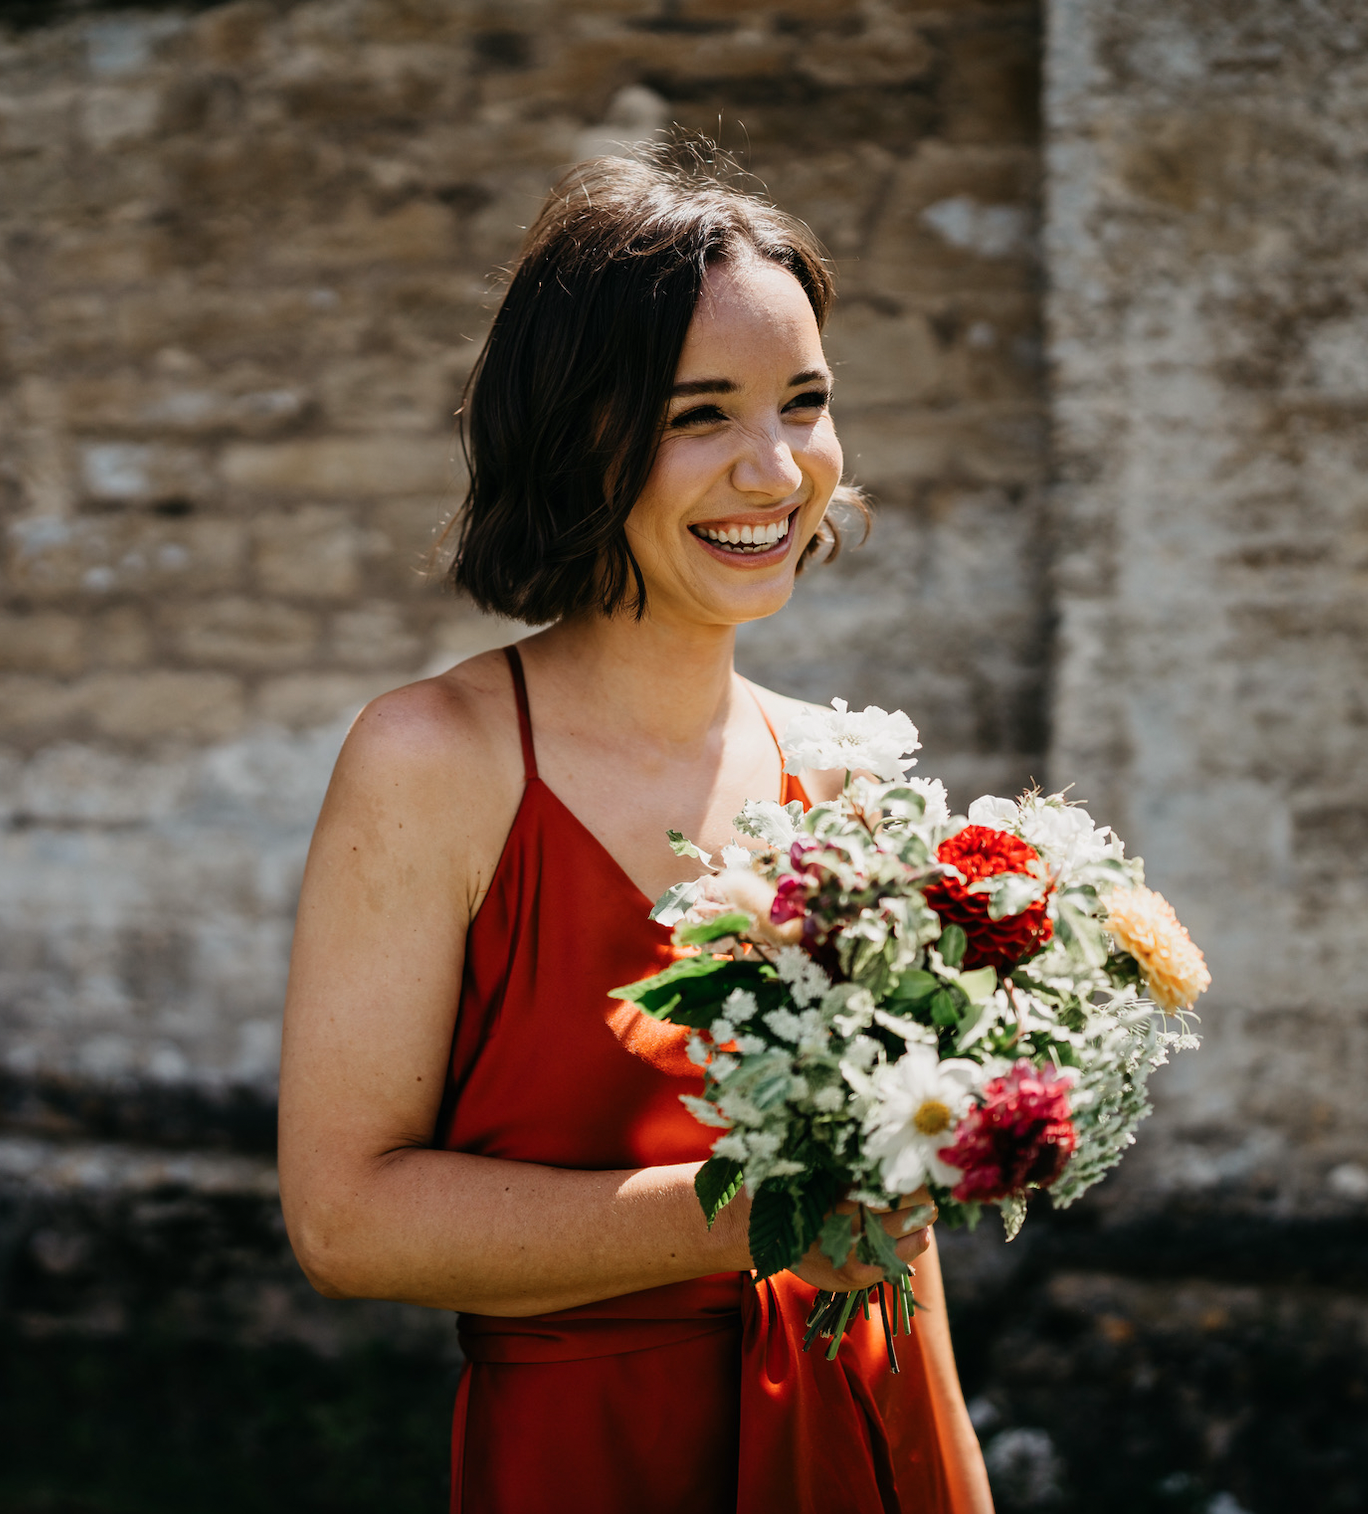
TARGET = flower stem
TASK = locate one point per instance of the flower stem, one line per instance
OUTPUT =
(840, 1326)
(888, 1333)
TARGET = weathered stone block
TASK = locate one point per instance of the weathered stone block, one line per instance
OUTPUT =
(241, 633)
(372, 636)
(120, 638)
(95, 555)
(340, 466)
(301, 700)
(45, 642)
(143, 472)
(160, 705)
(313, 553)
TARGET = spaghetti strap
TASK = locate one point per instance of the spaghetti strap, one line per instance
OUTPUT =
(524, 714)
(774, 735)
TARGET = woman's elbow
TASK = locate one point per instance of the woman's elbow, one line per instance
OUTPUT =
(327, 1255)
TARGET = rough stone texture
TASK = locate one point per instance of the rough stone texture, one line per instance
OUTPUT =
(1205, 234)
(248, 263)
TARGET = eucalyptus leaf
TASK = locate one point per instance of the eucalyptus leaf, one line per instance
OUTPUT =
(675, 902)
(681, 846)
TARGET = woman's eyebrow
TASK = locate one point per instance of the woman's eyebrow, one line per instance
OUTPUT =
(704, 386)
(726, 386)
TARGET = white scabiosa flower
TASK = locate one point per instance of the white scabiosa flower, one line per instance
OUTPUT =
(871, 739)
(1065, 836)
(934, 797)
(994, 814)
(918, 1101)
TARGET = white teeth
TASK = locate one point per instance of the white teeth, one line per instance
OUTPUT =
(747, 538)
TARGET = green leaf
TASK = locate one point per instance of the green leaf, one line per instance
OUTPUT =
(952, 945)
(837, 1237)
(725, 925)
(977, 985)
(1083, 933)
(945, 1007)
(674, 902)
(914, 986)
(819, 1192)
(681, 846)
(717, 1182)
(773, 1234)
(881, 1247)
(691, 991)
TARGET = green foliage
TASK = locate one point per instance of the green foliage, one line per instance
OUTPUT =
(774, 1241)
(715, 930)
(681, 846)
(690, 991)
(877, 1248)
(952, 945)
(837, 1238)
(946, 1005)
(913, 987)
(717, 1182)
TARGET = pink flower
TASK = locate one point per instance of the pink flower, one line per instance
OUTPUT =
(1020, 1136)
(790, 899)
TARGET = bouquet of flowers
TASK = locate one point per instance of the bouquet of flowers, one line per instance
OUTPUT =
(886, 998)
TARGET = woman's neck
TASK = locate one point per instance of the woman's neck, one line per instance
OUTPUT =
(667, 685)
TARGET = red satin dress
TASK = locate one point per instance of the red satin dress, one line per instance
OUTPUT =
(692, 1398)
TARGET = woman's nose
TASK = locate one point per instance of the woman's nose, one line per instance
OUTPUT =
(767, 467)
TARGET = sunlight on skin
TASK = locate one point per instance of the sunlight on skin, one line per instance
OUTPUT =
(748, 441)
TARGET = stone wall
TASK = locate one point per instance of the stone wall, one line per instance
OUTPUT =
(248, 256)
(1208, 329)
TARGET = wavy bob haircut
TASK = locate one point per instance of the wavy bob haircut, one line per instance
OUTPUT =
(563, 413)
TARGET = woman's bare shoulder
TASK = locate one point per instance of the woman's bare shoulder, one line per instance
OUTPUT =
(445, 747)
(781, 709)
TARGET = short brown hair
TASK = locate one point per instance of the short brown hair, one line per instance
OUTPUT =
(562, 414)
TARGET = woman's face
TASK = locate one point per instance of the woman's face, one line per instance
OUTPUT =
(748, 457)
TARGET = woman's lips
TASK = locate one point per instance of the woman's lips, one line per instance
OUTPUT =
(750, 542)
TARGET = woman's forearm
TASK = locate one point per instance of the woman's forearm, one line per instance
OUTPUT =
(455, 1231)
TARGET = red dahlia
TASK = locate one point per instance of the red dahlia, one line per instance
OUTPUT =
(1021, 1136)
(978, 851)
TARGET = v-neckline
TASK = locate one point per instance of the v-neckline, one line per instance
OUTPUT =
(580, 826)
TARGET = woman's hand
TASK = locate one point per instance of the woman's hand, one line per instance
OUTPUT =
(816, 1270)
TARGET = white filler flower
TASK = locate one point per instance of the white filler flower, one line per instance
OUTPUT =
(918, 1102)
(870, 739)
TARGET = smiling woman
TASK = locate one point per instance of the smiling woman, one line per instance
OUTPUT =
(468, 1120)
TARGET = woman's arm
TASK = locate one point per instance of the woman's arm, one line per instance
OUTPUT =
(969, 1491)
(405, 847)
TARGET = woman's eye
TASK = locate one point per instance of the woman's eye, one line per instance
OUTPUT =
(812, 399)
(700, 415)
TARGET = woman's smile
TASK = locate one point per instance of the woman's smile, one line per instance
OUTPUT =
(744, 540)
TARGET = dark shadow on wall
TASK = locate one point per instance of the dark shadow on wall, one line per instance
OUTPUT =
(24, 15)
(141, 1425)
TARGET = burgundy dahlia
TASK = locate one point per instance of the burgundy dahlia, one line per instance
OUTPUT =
(978, 852)
(1021, 1136)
